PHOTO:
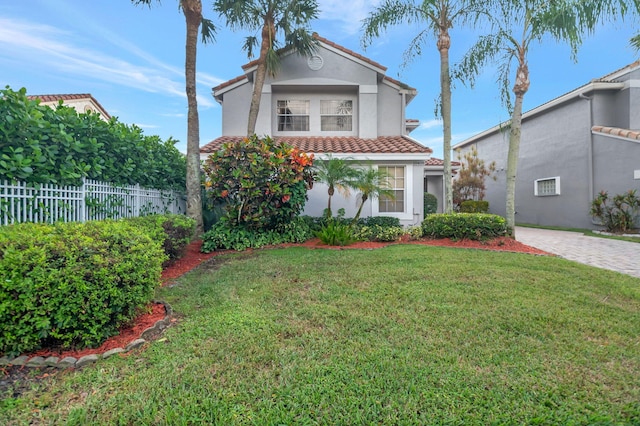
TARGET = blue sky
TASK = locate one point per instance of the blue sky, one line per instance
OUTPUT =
(131, 59)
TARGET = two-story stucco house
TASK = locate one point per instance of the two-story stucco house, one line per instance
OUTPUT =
(81, 102)
(338, 103)
(572, 147)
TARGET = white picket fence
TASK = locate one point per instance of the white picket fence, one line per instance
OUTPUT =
(21, 202)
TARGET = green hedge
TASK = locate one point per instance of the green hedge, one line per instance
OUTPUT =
(473, 226)
(172, 231)
(73, 285)
(472, 206)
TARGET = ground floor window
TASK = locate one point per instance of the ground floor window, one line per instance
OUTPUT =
(396, 181)
(546, 186)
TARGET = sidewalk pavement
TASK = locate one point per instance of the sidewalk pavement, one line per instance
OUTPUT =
(615, 255)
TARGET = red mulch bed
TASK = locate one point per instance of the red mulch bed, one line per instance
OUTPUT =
(193, 257)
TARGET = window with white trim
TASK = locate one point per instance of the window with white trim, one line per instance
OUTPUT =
(396, 180)
(293, 116)
(336, 116)
(547, 186)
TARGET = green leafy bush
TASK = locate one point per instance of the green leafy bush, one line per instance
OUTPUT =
(39, 144)
(172, 231)
(224, 235)
(379, 233)
(430, 203)
(474, 226)
(473, 206)
(618, 213)
(72, 285)
(383, 221)
(336, 233)
(262, 184)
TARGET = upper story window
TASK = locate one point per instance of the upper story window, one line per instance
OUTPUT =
(336, 116)
(293, 116)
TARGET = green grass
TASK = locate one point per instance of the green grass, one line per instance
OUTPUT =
(586, 232)
(403, 335)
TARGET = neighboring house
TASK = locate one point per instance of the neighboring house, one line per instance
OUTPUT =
(433, 178)
(572, 147)
(80, 102)
(337, 103)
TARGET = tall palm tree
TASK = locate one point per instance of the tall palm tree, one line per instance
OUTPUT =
(518, 24)
(288, 18)
(438, 16)
(372, 183)
(336, 173)
(192, 10)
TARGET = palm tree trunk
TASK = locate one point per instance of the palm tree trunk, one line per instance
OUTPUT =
(268, 32)
(520, 88)
(364, 200)
(193, 14)
(444, 42)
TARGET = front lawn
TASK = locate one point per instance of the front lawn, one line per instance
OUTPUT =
(406, 334)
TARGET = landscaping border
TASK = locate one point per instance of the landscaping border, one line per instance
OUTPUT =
(71, 362)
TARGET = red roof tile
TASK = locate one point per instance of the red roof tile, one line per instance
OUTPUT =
(229, 83)
(345, 145)
(615, 131)
(438, 162)
(69, 97)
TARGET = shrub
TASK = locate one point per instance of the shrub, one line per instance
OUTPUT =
(224, 235)
(473, 206)
(430, 203)
(72, 285)
(379, 233)
(617, 214)
(414, 232)
(383, 221)
(260, 183)
(336, 233)
(172, 231)
(39, 144)
(474, 226)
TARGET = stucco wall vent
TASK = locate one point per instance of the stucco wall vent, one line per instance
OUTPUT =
(315, 62)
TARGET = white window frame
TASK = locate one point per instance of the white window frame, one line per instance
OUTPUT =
(407, 214)
(308, 115)
(334, 114)
(536, 187)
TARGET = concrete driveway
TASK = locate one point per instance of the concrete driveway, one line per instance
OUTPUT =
(615, 255)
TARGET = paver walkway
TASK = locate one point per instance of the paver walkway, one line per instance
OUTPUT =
(615, 255)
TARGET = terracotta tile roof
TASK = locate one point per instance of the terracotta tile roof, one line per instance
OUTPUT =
(615, 131)
(343, 144)
(438, 162)
(69, 97)
(229, 83)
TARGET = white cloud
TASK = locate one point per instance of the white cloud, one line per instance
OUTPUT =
(47, 47)
(349, 14)
(430, 124)
(147, 126)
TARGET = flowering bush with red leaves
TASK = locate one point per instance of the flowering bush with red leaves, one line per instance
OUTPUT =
(261, 183)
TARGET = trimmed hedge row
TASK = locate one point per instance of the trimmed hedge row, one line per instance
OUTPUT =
(172, 231)
(474, 226)
(74, 285)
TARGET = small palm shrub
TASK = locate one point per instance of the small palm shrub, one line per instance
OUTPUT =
(336, 233)
(473, 226)
(617, 213)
